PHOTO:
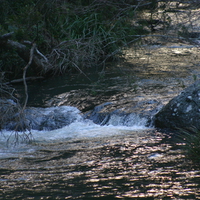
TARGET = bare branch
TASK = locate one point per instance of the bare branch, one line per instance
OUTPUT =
(39, 61)
(6, 36)
(24, 74)
(21, 79)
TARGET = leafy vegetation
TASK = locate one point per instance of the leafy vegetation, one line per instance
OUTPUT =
(73, 35)
(77, 35)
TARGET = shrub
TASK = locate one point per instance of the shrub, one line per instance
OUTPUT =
(73, 34)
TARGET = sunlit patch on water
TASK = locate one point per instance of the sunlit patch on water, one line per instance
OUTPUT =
(138, 164)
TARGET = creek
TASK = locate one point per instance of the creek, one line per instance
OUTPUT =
(123, 159)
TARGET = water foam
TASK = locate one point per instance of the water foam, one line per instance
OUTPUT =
(79, 128)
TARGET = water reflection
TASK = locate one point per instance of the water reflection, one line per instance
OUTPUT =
(106, 168)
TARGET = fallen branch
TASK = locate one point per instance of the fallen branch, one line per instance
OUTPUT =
(20, 80)
(39, 62)
(6, 36)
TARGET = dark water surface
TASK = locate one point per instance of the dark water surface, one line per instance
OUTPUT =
(138, 165)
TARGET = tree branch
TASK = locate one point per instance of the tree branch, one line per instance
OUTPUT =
(39, 61)
(24, 74)
(6, 36)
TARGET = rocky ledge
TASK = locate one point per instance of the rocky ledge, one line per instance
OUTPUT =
(183, 111)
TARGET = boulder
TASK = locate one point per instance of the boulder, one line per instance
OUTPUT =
(183, 111)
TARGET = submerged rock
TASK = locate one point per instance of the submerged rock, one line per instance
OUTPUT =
(182, 111)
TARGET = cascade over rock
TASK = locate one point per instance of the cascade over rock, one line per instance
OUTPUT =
(37, 118)
(183, 111)
(102, 115)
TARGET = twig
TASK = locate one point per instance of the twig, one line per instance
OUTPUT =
(37, 51)
(24, 74)
(42, 55)
(22, 80)
(76, 66)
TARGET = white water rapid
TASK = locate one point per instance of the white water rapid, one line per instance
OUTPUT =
(13, 144)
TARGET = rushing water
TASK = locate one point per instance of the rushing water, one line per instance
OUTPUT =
(120, 160)
(84, 160)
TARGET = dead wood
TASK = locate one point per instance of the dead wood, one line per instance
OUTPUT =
(20, 80)
(39, 62)
(6, 36)
(24, 74)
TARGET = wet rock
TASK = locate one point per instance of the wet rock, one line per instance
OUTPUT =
(182, 111)
(51, 118)
(9, 113)
(45, 118)
(102, 115)
(97, 116)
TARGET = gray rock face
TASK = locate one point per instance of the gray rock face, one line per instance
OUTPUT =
(182, 111)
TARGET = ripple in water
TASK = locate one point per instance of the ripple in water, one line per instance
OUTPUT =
(142, 164)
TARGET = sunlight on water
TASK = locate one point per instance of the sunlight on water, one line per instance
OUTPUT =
(116, 167)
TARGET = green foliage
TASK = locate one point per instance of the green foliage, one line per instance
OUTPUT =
(11, 64)
(73, 34)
